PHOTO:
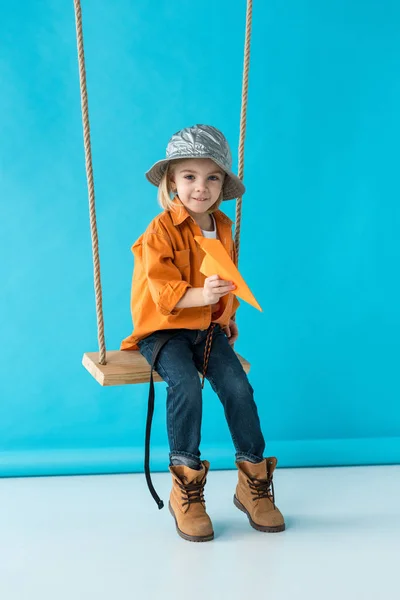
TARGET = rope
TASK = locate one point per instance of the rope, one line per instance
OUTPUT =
(243, 120)
(90, 183)
(89, 166)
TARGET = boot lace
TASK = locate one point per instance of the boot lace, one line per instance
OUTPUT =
(262, 488)
(194, 492)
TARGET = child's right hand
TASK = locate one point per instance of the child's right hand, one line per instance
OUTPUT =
(214, 288)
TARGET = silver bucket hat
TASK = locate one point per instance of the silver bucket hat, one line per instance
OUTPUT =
(200, 141)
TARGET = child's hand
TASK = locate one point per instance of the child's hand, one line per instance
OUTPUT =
(214, 288)
(232, 332)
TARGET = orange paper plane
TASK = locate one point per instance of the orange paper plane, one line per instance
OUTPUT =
(218, 262)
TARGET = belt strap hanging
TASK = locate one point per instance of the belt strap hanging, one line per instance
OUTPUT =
(162, 338)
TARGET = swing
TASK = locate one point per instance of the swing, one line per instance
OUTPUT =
(119, 367)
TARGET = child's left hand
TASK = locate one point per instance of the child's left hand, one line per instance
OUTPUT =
(232, 332)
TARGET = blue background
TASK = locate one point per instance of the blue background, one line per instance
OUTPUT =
(321, 218)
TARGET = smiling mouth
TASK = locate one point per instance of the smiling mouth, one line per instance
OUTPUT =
(201, 199)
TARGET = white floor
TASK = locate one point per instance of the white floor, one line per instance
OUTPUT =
(103, 538)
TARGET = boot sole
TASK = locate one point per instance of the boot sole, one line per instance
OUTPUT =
(185, 536)
(265, 528)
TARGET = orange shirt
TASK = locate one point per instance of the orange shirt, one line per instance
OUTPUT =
(167, 263)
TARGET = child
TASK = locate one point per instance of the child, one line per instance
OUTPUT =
(183, 325)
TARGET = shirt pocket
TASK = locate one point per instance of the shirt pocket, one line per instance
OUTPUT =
(182, 262)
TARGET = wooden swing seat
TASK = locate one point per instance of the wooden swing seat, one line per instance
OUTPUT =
(125, 367)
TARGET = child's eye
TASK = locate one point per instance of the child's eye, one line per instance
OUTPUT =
(213, 177)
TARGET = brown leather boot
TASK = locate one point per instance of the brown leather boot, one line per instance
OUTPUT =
(255, 495)
(187, 504)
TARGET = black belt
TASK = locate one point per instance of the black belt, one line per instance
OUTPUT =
(162, 338)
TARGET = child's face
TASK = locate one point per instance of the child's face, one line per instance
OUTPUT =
(198, 182)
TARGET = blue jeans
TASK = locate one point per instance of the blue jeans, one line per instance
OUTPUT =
(178, 364)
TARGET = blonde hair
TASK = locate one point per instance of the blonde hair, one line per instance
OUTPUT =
(165, 190)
